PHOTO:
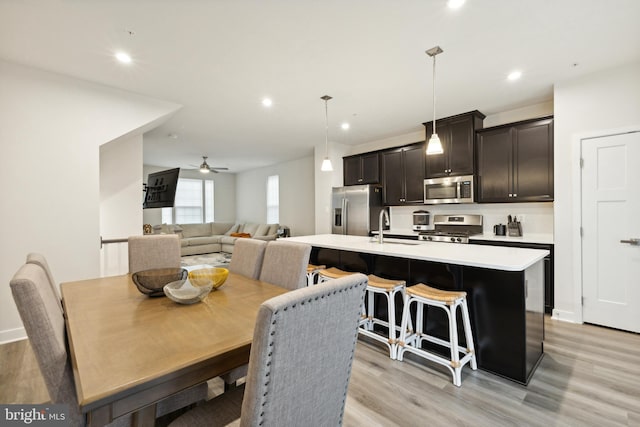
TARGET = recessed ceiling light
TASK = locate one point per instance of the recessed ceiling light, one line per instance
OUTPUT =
(345, 126)
(514, 75)
(267, 102)
(455, 4)
(123, 57)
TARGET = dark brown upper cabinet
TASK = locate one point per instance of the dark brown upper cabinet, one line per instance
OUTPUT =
(457, 134)
(515, 162)
(361, 169)
(403, 175)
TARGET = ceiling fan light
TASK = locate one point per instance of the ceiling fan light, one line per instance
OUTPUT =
(326, 165)
(434, 146)
(204, 170)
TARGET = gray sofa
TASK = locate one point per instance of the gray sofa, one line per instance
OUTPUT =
(196, 239)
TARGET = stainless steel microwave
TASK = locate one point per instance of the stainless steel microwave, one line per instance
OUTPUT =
(450, 189)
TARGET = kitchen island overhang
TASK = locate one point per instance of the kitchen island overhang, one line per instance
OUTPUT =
(505, 288)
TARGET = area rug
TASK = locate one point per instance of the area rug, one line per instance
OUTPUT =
(214, 259)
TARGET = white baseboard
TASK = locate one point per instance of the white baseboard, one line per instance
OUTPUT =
(565, 316)
(11, 335)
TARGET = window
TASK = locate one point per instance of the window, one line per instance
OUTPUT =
(273, 199)
(193, 203)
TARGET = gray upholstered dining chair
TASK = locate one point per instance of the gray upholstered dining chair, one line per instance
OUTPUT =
(45, 326)
(247, 257)
(155, 251)
(39, 259)
(290, 381)
(285, 264)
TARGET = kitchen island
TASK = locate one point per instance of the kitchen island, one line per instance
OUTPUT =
(505, 290)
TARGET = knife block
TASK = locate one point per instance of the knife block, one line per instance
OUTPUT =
(514, 229)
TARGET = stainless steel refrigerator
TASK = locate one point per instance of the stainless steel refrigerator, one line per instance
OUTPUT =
(356, 209)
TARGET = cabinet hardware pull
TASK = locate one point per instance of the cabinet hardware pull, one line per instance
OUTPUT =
(631, 241)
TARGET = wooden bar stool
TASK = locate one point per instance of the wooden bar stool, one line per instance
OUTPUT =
(312, 273)
(411, 342)
(388, 288)
(331, 273)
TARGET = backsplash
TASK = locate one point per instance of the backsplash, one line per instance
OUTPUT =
(535, 217)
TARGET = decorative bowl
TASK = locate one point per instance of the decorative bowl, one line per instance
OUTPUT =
(217, 276)
(151, 282)
(185, 292)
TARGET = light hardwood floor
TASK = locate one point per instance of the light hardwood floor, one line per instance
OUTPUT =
(589, 376)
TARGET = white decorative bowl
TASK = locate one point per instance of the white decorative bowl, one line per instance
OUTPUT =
(184, 292)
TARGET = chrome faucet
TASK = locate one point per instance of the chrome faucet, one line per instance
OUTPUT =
(383, 213)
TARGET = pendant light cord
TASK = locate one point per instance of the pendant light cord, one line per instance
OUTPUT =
(434, 94)
(326, 128)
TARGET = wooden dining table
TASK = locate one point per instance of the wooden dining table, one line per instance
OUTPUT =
(128, 350)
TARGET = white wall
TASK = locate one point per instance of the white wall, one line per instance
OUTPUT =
(51, 127)
(224, 195)
(597, 102)
(297, 207)
(524, 113)
(120, 200)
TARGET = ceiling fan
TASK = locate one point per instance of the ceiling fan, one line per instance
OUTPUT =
(205, 168)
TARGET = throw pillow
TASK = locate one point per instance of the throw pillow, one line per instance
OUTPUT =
(240, 235)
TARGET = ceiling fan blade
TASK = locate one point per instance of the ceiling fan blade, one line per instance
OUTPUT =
(220, 169)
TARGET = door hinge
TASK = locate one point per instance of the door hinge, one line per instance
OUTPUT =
(581, 162)
(582, 300)
(581, 232)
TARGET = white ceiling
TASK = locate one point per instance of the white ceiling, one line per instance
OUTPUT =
(220, 58)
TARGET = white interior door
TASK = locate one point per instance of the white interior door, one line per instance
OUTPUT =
(611, 222)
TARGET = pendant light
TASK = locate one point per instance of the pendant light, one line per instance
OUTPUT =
(326, 163)
(434, 146)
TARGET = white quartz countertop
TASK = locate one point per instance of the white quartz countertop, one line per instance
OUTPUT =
(492, 257)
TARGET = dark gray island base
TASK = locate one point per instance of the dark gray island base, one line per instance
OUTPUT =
(506, 307)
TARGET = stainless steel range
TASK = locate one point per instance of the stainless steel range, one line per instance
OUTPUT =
(453, 228)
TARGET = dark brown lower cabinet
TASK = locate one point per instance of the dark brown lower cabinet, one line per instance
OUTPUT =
(506, 319)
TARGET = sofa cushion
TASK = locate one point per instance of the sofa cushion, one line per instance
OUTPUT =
(233, 229)
(196, 230)
(250, 228)
(228, 240)
(273, 229)
(203, 240)
(262, 230)
(219, 228)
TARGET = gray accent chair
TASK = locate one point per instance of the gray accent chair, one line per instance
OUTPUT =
(147, 252)
(44, 322)
(285, 264)
(247, 257)
(39, 259)
(300, 362)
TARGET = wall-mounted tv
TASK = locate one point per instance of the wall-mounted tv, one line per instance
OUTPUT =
(160, 191)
